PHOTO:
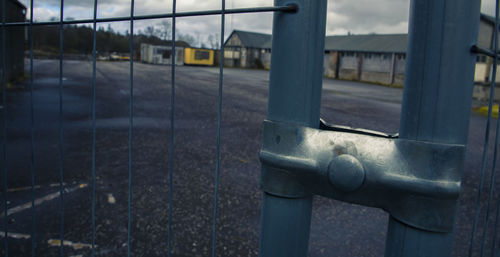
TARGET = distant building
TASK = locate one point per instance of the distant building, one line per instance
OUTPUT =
(199, 56)
(373, 57)
(484, 64)
(15, 40)
(485, 39)
(162, 54)
(248, 50)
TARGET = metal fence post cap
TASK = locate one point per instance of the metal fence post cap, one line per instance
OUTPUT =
(346, 173)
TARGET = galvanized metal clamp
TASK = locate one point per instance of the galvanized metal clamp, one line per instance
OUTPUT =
(417, 182)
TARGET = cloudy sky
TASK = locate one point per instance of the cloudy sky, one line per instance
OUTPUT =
(355, 16)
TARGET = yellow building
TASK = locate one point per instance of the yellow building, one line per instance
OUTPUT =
(198, 56)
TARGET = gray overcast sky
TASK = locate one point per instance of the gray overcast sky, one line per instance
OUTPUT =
(355, 16)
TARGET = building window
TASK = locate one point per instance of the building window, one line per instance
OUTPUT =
(166, 54)
(201, 55)
(481, 59)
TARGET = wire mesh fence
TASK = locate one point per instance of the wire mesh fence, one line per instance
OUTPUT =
(62, 242)
(483, 236)
(491, 157)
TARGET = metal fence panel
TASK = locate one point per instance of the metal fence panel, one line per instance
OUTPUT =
(436, 99)
(436, 109)
(94, 21)
(294, 96)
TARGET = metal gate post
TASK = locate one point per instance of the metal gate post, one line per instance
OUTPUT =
(294, 97)
(437, 98)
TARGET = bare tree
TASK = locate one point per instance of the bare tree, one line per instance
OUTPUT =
(188, 38)
(213, 41)
(149, 31)
(163, 30)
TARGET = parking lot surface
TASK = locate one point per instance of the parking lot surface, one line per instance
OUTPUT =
(338, 229)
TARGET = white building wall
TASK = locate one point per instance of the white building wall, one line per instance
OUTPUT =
(377, 62)
(399, 67)
(349, 62)
(480, 74)
(266, 59)
(146, 53)
(161, 54)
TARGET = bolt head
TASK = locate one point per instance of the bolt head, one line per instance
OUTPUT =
(346, 173)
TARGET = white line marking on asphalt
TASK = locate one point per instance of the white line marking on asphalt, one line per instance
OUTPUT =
(17, 189)
(76, 246)
(56, 184)
(111, 199)
(15, 235)
(39, 201)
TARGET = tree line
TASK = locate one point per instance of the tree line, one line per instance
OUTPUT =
(78, 39)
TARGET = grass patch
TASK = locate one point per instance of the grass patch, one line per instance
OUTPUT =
(483, 110)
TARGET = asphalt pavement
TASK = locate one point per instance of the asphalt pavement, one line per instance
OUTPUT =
(338, 229)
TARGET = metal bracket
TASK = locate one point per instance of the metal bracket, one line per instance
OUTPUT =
(417, 182)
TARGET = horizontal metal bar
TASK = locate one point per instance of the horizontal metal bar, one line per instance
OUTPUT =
(417, 182)
(323, 125)
(287, 8)
(481, 50)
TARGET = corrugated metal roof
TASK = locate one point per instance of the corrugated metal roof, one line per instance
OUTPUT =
(375, 43)
(254, 39)
(390, 43)
(18, 3)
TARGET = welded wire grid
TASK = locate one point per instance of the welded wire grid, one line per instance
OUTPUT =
(4, 133)
(493, 53)
(94, 21)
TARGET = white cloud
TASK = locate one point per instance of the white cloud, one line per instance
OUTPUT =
(359, 16)
(367, 16)
(45, 12)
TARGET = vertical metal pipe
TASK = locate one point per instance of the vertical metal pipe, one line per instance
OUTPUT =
(32, 136)
(93, 127)
(61, 131)
(294, 97)
(130, 129)
(219, 124)
(4, 133)
(172, 137)
(437, 97)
